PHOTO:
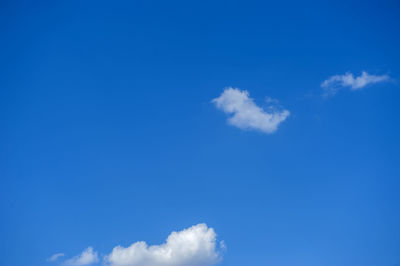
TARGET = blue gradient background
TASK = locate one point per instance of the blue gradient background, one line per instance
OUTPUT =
(108, 135)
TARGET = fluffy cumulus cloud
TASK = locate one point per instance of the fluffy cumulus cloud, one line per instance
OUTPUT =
(335, 83)
(87, 257)
(245, 114)
(195, 246)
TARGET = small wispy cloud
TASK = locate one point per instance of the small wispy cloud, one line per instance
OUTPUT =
(333, 84)
(87, 257)
(245, 114)
(55, 257)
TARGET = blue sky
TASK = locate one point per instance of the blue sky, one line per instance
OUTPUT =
(111, 134)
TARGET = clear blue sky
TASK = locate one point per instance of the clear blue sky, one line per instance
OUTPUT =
(109, 135)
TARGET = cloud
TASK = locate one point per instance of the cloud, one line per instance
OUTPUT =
(337, 82)
(195, 246)
(87, 257)
(245, 114)
(55, 257)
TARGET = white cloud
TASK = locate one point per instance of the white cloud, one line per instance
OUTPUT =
(195, 246)
(87, 257)
(55, 257)
(245, 114)
(335, 83)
